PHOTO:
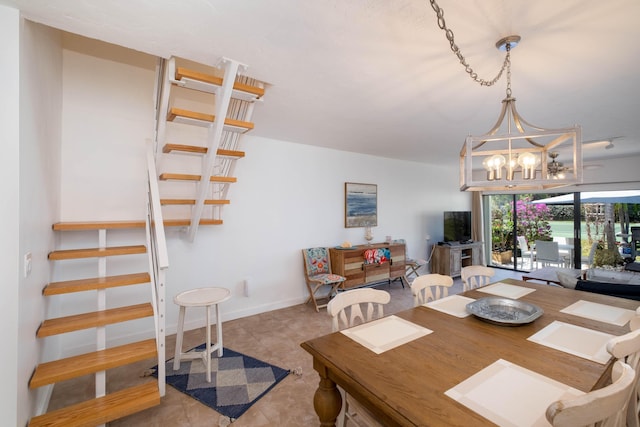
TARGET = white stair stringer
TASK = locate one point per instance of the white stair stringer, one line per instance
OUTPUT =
(223, 98)
(216, 143)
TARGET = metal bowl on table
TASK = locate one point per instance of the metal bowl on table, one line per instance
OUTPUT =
(504, 311)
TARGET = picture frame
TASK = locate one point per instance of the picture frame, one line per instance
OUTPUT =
(360, 205)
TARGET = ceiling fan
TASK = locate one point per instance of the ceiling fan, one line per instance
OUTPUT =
(606, 142)
(555, 169)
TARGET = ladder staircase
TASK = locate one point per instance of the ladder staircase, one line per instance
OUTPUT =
(195, 152)
(105, 406)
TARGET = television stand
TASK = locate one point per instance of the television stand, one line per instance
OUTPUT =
(449, 259)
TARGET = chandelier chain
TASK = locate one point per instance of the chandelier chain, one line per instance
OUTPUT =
(456, 50)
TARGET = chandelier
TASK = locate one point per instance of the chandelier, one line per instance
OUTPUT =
(515, 155)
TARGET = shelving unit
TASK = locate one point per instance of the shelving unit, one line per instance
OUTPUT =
(449, 260)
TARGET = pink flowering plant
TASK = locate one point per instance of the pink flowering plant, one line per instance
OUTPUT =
(533, 223)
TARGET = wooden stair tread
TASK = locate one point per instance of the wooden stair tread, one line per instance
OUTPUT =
(193, 202)
(187, 177)
(96, 252)
(187, 222)
(208, 78)
(168, 148)
(94, 319)
(94, 283)
(179, 112)
(103, 409)
(89, 363)
(97, 225)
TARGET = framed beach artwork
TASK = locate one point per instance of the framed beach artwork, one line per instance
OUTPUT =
(360, 205)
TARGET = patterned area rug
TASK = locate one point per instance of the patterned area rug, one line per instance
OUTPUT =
(237, 380)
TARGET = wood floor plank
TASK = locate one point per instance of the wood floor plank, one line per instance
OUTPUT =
(103, 409)
(78, 322)
(89, 363)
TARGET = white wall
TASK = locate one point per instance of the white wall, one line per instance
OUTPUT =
(40, 123)
(9, 210)
(288, 196)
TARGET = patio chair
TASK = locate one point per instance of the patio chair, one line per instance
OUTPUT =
(588, 260)
(548, 253)
(525, 251)
(605, 406)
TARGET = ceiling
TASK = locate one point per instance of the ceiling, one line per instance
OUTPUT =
(378, 76)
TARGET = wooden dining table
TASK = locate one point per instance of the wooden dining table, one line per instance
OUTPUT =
(406, 385)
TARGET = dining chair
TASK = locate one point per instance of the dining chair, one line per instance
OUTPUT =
(352, 301)
(430, 287)
(627, 349)
(474, 276)
(317, 274)
(606, 406)
(523, 245)
(548, 253)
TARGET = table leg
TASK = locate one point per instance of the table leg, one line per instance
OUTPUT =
(327, 402)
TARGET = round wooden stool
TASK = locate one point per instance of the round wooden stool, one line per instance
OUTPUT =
(201, 297)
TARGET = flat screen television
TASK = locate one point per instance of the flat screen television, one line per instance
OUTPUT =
(457, 226)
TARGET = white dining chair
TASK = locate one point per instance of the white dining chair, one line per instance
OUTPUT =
(606, 406)
(474, 276)
(627, 349)
(430, 287)
(372, 301)
(548, 253)
(588, 260)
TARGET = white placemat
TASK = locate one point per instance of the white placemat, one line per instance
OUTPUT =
(386, 333)
(600, 312)
(510, 395)
(576, 340)
(455, 305)
(506, 290)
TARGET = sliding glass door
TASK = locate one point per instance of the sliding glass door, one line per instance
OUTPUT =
(588, 229)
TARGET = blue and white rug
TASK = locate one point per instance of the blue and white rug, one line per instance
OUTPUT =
(237, 380)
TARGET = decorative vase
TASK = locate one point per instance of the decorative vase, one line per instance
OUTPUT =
(368, 235)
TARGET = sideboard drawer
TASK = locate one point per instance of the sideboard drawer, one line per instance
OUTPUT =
(376, 272)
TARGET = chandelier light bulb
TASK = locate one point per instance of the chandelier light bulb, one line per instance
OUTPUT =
(528, 162)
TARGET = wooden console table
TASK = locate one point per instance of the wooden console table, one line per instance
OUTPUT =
(449, 259)
(350, 264)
